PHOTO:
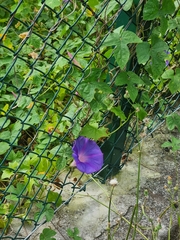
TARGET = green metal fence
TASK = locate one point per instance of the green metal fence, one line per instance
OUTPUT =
(47, 49)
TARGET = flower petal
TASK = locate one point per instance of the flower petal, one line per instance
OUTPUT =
(87, 155)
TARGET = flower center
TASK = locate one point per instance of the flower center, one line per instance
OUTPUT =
(82, 157)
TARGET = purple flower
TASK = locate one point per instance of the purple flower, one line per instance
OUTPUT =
(87, 155)
(167, 62)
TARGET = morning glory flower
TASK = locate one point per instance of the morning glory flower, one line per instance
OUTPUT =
(167, 62)
(87, 155)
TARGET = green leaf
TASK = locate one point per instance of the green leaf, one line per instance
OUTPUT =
(112, 40)
(157, 65)
(121, 54)
(54, 197)
(121, 79)
(151, 10)
(168, 74)
(168, 7)
(127, 4)
(158, 55)
(173, 121)
(174, 23)
(129, 37)
(174, 144)
(133, 92)
(178, 47)
(61, 163)
(64, 154)
(4, 147)
(174, 84)
(53, 3)
(163, 24)
(143, 52)
(131, 79)
(15, 192)
(134, 78)
(86, 91)
(159, 47)
(118, 112)
(120, 39)
(140, 112)
(93, 3)
(127, 78)
(47, 234)
(92, 131)
(73, 233)
(76, 129)
(6, 60)
(4, 122)
(61, 62)
(47, 212)
(35, 41)
(6, 174)
(166, 144)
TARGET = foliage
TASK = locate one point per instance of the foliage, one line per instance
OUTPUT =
(47, 234)
(73, 233)
(54, 87)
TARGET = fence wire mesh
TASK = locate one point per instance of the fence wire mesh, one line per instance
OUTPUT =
(47, 50)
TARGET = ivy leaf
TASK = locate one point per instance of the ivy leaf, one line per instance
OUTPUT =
(140, 112)
(143, 52)
(158, 65)
(73, 233)
(53, 3)
(87, 91)
(127, 78)
(5, 122)
(127, 4)
(4, 147)
(133, 92)
(158, 55)
(168, 74)
(151, 10)
(93, 3)
(15, 191)
(47, 234)
(159, 46)
(120, 39)
(121, 79)
(131, 79)
(112, 40)
(168, 7)
(174, 84)
(7, 174)
(54, 197)
(118, 112)
(92, 131)
(47, 212)
(121, 54)
(130, 37)
(174, 144)
(174, 23)
(64, 154)
(163, 24)
(134, 78)
(173, 121)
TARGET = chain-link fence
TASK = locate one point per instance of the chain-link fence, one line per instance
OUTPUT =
(50, 53)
